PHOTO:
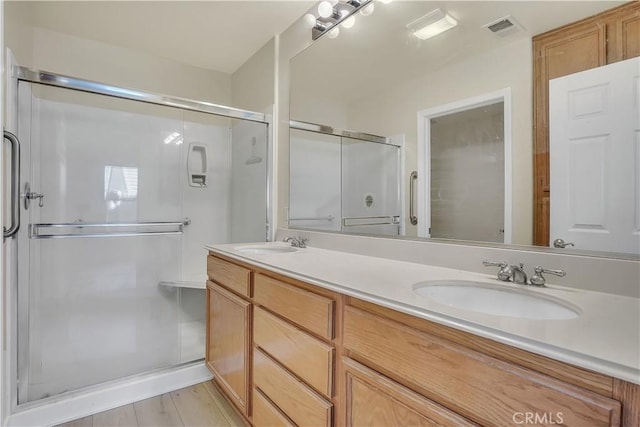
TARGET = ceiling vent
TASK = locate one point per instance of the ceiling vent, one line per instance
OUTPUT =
(504, 26)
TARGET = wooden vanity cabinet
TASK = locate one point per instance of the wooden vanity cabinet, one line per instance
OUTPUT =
(288, 353)
(481, 388)
(228, 330)
(294, 351)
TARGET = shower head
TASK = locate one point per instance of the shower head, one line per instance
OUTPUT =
(254, 158)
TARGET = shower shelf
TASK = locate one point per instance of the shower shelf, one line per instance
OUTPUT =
(179, 284)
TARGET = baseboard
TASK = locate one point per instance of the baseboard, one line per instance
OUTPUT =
(81, 404)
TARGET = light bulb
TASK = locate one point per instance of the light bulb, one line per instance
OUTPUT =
(348, 23)
(334, 33)
(309, 21)
(367, 10)
(325, 9)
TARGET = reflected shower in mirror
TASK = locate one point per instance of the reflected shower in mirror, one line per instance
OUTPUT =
(484, 179)
(344, 183)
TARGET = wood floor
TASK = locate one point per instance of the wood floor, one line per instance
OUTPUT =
(199, 405)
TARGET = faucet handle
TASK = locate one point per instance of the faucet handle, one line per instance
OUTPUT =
(540, 270)
(500, 264)
(505, 272)
(539, 280)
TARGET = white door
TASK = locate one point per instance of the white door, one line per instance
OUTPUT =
(595, 158)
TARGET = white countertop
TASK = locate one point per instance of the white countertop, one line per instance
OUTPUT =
(605, 338)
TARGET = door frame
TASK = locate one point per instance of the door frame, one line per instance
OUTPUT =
(424, 153)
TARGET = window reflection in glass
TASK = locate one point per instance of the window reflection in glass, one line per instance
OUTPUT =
(120, 184)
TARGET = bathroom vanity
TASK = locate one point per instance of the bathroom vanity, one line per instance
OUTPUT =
(319, 337)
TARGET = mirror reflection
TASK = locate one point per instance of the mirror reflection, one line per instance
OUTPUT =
(472, 112)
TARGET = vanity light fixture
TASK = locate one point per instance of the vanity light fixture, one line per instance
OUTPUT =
(432, 24)
(331, 13)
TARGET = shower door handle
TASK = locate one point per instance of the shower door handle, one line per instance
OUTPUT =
(15, 186)
(412, 198)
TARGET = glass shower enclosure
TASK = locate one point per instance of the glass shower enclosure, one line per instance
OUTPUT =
(119, 198)
(344, 181)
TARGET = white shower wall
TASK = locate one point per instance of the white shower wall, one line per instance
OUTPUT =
(208, 208)
(96, 309)
(315, 180)
(370, 184)
(249, 160)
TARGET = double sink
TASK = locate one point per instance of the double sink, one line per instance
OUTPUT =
(479, 297)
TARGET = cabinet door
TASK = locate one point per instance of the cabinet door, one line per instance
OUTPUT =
(374, 400)
(228, 343)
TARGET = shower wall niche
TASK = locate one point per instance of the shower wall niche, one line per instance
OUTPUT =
(112, 266)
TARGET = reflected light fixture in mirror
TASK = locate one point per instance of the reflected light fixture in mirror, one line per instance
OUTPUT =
(349, 22)
(325, 9)
(432, 24)
(368, 9)
(333, 13)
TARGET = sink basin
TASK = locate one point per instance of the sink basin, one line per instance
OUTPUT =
(265, 249)
(496, 300)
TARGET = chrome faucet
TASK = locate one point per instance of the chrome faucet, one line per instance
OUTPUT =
(516, 274)
(509, 273)
(296, 242)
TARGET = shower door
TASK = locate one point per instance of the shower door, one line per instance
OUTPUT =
(104, 214)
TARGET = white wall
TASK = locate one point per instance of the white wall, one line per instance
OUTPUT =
(17, 30)
(43, 49)
(252, 83)
(322, 111)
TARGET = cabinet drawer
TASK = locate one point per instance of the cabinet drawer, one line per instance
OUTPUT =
(374, 400)
(299, 402)
(311, 311)
(232, 276)
(266, 414)
(306, 356)
(476, 386)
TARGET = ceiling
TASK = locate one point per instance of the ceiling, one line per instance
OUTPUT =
(217, 35)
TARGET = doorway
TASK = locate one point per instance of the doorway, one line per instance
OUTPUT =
(464, 169)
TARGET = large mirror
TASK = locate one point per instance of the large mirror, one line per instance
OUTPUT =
(436, 138)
